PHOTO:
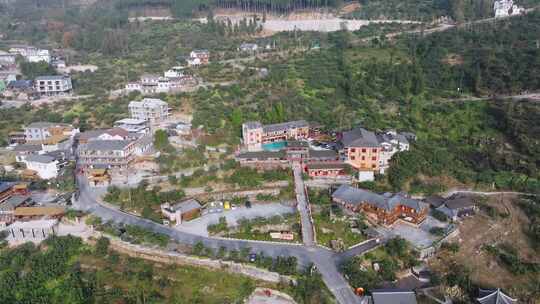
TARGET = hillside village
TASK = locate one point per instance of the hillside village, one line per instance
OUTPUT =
(207, 159)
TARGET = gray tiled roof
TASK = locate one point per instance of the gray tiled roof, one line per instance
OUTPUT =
(393, 296)
(187, 205)
(323, 154)
(285, 126)
(13, 202)
(359, 137)
(494, 296)
(44, 159)
(355, 196)
(105, 145)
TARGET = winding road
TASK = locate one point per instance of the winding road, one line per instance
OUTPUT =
(326, 261)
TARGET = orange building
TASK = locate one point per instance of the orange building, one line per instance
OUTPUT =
(383, 209)
(362, 149)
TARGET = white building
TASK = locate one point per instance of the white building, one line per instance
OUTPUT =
(45, 166)
(53, 85)
(249, 47)
(33, 231)
(7, 58)
(391, 142)
(174, 72)
(172, 81)
(152, 110)
(31, 54)
(198, 57)
(505, 8)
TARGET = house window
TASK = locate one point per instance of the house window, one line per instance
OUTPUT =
(373, 166)
(374, 158)
(363, 150)
(353, 157)
(374, 150)
(363, 158)
(353, 150)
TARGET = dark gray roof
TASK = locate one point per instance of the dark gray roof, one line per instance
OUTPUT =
(323, 154)
(13, 202)
(45, 159)
(393, 296)
(187, 205)
(5, 186)
(327, 166)
(459, 202)
(105, 145)
(359, 137)
(435, 201)
(285, 126)
(20, 84)
(355, 196)
(388, 137)
(494, 296)
(262, 155)
(27, 148)
(52, 77)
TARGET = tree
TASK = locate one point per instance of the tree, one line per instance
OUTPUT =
(102, 246)
(161, 140)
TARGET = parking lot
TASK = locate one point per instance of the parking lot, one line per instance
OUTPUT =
(198, 226)
(419, 237)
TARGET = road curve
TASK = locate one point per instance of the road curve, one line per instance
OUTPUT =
(325, 260)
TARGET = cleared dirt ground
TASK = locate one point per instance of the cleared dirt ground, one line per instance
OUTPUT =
(482, 229)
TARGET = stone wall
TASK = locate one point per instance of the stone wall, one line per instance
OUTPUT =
(166, 257)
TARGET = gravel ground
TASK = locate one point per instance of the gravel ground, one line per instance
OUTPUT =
(199, 225)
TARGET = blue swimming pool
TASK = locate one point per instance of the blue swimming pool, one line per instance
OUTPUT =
(275, 146)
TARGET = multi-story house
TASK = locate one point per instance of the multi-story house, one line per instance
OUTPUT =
(114, 148)
(198, 57)
(173, 80)
(152, 110)
(53, 85)
(51, 136)
(384, 209)
(361, 149)
(114, 154)
(45, 166)
(257, 136)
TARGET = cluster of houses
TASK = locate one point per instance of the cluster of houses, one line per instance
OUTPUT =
(173, 80)
(198, 58)
(45, 148)
(365, 151)
(404, 296)
(47, 85)
(505, 8)
(386, 209)
(22, 218)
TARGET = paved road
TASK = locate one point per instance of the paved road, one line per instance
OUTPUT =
(303, 207)
(325, 260)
